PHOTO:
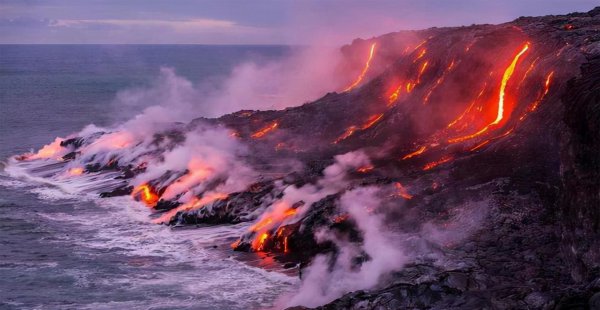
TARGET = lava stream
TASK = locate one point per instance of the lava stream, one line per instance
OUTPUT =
(264, 131)
(146, 194)
(500, 115)
(364, 71)
(415, 153)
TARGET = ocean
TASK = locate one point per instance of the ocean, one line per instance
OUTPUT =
(64, 250)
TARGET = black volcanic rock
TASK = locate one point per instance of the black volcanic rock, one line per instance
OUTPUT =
(580, 170)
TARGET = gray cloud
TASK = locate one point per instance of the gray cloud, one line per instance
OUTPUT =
(249, 22)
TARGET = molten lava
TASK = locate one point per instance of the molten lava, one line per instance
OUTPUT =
(546, 89)
(421, 54)
(500, 114)
(365, 169)
(76, 171)
(146, 194)
(438, 82)
(480, 145)
(402, 191)
(434, 164)
(372, 121)
(460, 117)
(258, 244)
(415, 153)
(394, 96)
(505, 78)
(364, 70)
(350, 131)
(48, 151)
(262, 132)
(194, 204)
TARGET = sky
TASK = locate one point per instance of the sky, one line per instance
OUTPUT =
(249, 21)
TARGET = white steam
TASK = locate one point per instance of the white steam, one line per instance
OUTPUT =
(304, 75)
(325, 282)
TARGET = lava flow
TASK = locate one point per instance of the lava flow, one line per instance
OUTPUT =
(194, 204)
(362, 74)
(434, 164)
(352, 129)
(500, 114)
(415, 153)
(402, 191)
(262, 132)
(146, 194)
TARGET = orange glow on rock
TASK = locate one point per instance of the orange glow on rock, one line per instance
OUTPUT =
(364, 70)
(258, 244)
(480, 145)
(394, 96)
(505, 78)
(262, 132)
(434, 164)
(365, 169)
(402, 191)
(76, 171)
(146, 194)
(415, 153)
(350, 131)
(500, 114)
(194, 204)
(421, 54)
(48, 151)
(546, 89)
(438, 82)
(468, 108)
(372, 121)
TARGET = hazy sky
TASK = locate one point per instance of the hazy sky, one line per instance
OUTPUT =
(250, 22)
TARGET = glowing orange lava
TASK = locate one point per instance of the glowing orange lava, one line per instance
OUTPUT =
(415, 153)
(434, 164)
(500, 114)
(507, 74)
(438, 82)
(147, 194)
(258, 244)
(365, 169)
(48, 151)
(350, 131)
(394, 96)
(421, 54)
(364, 71)
(468, 108)
(546, 89)
(423, 67)
(372, 121)
(265, 130)
(76, 171)
(402, 192)
(480, 145)
(194, 204)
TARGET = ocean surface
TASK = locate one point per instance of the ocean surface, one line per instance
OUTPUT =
(60, 250)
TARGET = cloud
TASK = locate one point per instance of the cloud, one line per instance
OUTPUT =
(195, 24)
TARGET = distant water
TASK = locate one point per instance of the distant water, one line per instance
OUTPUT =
(66, 251)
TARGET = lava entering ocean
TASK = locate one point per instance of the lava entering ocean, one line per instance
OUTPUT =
(441, 132)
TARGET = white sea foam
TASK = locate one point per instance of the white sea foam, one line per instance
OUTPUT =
(123, 225)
